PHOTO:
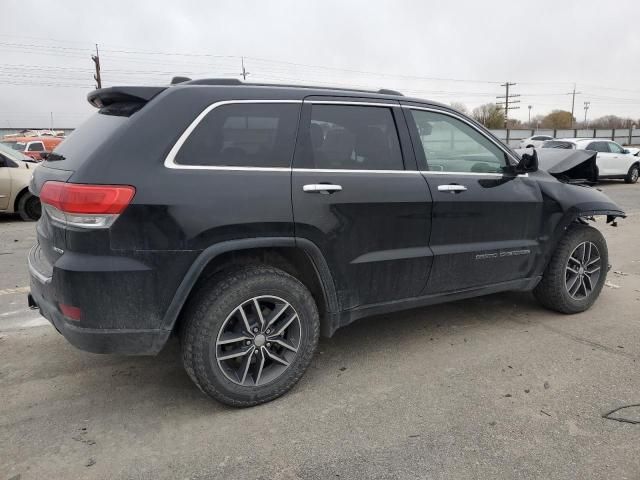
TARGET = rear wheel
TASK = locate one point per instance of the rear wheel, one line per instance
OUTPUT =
(633, 174)
(249, 335)
(576, 273)
(29, 207)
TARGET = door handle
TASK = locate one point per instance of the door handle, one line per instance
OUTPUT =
(321, 188)
(451, 188)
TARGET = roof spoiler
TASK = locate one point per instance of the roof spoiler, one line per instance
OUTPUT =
(107, 96)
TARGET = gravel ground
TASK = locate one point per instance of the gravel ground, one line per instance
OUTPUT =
(494, 387)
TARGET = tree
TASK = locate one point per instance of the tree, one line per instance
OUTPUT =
(459, 106)
(514, 123)
(558, 119)
(611, 121)
(490, 115)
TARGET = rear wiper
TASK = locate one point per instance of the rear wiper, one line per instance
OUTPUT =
(52, 157)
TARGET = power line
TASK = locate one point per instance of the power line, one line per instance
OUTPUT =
(507, 100)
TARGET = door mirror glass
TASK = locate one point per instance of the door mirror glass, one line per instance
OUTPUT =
(625, 151)
(528, 162)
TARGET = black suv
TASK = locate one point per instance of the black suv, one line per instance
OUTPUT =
(248, 219)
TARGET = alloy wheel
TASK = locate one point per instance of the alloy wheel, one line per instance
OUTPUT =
(258, 341)
(583, 270)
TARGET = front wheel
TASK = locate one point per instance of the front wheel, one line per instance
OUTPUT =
(632, 174)
(249, 335)
(576, 272)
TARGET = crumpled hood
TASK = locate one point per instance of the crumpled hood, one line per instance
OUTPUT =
(569, 166)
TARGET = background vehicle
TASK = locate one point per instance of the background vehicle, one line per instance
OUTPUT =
(16, 170)
(257, 217)
(33, 147)
(534, 142)
(613, 160)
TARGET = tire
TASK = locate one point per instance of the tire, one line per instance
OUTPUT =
(29, 207)
(632, 174)
(554, 290)
(214, 316)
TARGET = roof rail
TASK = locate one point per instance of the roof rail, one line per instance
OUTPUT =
(235, 81)
(216, 81)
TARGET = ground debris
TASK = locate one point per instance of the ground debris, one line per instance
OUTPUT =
(547, 414)
(90, 463)
(621, 273)
(626, 414)
(611, 285)
(546, 385)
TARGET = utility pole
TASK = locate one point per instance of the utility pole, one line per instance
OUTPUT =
(586, 107)
(96, 60)
(244, 72)
(507, 100)
(573, 101)
(530, 107)
(51, 121)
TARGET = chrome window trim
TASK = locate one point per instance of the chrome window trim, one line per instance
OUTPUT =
(464, 120)
(340, 170)
(170, 160)
(472, 174)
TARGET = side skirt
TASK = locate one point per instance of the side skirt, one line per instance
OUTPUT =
(346, 317)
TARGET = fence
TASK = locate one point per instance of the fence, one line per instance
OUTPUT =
(623, 136)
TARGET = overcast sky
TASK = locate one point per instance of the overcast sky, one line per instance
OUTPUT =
(442, 50)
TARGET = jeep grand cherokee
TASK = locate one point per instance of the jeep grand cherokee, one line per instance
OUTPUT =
(248, 219)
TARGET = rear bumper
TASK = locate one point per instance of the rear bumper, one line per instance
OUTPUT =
(85, 335)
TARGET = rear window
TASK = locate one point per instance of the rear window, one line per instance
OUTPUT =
(558, 144)
(71, 153)
(243, 135)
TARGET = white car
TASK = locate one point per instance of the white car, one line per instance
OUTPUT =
(613, 160)
(534, 142)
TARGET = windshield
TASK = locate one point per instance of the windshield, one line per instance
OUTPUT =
(7, 149)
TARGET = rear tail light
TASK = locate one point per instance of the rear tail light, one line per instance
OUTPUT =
(85, 206)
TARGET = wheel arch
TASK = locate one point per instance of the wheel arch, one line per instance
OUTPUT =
(18, 196)
(298, 257)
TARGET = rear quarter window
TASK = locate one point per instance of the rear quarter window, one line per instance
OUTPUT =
(243, 135)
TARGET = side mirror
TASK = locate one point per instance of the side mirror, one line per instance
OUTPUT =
(44, 155)
(625, 151)
(528, 162)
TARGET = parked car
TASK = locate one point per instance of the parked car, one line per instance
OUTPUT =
(258, 217)
(534, 142)
(33, 147)
(614, 161)
(15, 174)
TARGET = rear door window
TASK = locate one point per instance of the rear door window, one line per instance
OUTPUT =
(350, 137)
(243, 135)
(35, 147)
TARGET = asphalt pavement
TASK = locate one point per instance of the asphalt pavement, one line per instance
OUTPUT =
(493, 387)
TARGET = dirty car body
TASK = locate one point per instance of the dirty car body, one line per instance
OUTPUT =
(364, 236)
